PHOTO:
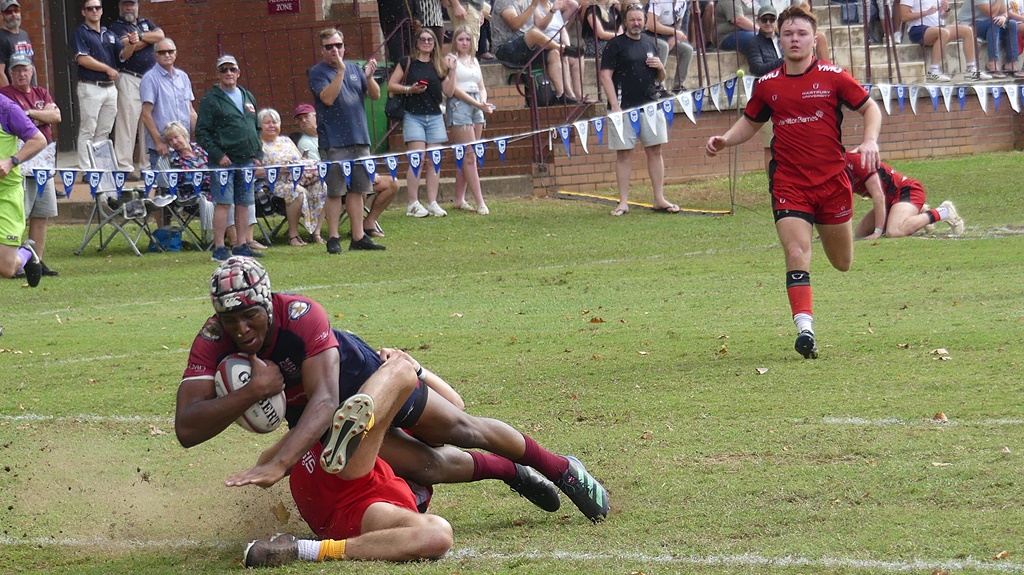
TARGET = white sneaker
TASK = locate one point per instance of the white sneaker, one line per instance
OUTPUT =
(953, 219)
(937, 77)
(930, 228)
(436, 210)
(417, 210)
(897, 37)
(977, 75)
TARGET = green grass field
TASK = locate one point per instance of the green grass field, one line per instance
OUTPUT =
(656, 348)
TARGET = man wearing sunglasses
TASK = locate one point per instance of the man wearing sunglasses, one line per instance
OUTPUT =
(13, 40)
(229, 132)
(763, 54)
(166, 96)
(339, 89)
(140, 35)
(97, 51)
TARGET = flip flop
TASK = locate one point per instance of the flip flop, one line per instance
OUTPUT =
(620, 212)
(997, 74)
(669, 209)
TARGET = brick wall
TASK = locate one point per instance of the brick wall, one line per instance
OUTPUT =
(904, 136)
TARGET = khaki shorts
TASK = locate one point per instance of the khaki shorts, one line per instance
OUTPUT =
(650, 135)
(359, 179)
(40, 206)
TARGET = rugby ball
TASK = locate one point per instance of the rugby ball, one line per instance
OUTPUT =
(265, 415)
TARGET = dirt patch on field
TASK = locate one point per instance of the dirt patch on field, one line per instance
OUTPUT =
(133, 482)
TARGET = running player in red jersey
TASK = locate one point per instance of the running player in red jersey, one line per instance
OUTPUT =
(807, 173)
(899, 207)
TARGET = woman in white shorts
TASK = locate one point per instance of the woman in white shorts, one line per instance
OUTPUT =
(466, 109)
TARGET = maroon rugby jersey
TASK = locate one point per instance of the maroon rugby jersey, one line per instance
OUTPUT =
(806, 112)
(304, 331)
(891, 180)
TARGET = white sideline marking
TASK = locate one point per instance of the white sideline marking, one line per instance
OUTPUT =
(744, 560)
(95, 418)
(48, 361)
(922, 420)
(31, 417)
(756, 560)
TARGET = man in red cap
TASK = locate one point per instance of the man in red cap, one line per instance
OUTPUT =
(384, 186)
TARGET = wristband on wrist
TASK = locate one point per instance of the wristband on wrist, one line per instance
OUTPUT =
(419, 371)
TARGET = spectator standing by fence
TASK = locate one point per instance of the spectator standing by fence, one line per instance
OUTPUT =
(97, 52)
(40, 108)
(139, 35)
(339, 89)
(13, 40)
(428, 80)
(630, 73)
(466, 108)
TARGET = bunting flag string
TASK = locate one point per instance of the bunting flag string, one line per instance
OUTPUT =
(41, 177)
(479, 148)
(691, 103)
(460, 153)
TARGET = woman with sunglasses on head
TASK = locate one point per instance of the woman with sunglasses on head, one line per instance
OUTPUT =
(466, 109)
(424, 80)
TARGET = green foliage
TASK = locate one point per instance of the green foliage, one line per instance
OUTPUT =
(656, 348)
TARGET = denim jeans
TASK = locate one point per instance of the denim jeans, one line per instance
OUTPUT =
(742, 37)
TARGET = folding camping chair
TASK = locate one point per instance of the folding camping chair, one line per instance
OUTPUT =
(188, 206)
(268, 209)
(119, 211)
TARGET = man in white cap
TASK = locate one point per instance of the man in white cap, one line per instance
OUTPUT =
(229, 132)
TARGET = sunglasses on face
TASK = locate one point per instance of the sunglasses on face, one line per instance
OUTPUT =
(13, 10)
(427, 40)
(165, 52)
(767, 19)
(93, 8)
(337, 46)
(226, 70)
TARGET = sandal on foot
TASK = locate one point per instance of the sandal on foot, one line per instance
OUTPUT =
(620, 212)
(997, 74)
(318, 239)
(374, 233)
(296, 241)
(669, 209)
